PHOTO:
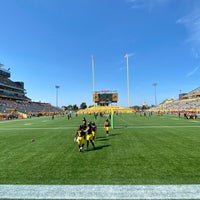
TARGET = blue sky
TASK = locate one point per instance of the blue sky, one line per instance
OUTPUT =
(50, 42)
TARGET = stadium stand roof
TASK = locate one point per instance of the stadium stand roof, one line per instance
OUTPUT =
(10, 89)
(194, 93)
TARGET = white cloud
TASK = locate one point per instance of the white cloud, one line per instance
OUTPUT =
(195, 53)
(192, 72)
(192, 24)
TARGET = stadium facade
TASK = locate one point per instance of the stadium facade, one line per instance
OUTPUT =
(15, 104)
(11, 90)
(190, 95)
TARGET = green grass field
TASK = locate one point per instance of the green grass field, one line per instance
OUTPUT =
(139, 150)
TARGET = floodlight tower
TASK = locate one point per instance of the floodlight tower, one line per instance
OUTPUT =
(92, 73)
(93, 76)
(57, 87)
(127, 74)
(155, 84)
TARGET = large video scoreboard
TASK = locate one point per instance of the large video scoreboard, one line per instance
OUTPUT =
(105, 97)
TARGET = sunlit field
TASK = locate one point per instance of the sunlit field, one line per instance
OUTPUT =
(139, 150)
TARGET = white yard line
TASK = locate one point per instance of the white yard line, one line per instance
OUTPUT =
(100, 192)
(117, 127)
(151, 126)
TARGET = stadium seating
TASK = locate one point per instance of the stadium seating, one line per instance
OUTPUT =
(10, 108)
(184, 105)
(105, 109)
(14, 103)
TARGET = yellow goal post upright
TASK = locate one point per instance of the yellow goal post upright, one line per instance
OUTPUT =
(112, 119)
(105, 98)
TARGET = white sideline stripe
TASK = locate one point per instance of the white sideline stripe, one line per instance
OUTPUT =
(99, 192)
(72, 127)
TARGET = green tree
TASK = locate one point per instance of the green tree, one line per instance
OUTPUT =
(83, 105)
(75, 107)
(69, 107)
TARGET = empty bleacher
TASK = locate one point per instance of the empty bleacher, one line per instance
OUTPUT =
(183, 105)
(105, 109)
(10, 107)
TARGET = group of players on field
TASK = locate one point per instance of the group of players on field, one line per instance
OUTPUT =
(88, 132)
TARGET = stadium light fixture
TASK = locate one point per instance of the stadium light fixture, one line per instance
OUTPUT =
(57, 87)
(155, 84)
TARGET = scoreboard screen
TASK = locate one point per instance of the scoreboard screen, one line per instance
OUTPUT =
(105, 97)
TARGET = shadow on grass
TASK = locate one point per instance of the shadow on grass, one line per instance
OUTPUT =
(99, 147)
